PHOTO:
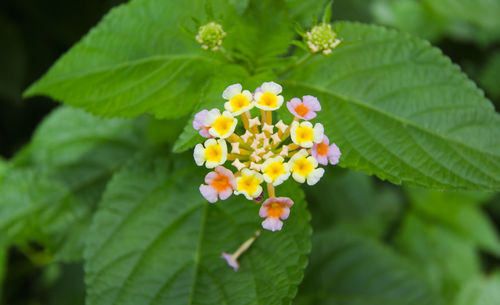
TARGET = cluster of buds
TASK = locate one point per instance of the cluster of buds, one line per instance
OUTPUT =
(263, 151)
(210, 36)
(322, 39)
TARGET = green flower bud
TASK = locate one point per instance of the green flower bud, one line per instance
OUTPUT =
(322, 39)
(210, 36)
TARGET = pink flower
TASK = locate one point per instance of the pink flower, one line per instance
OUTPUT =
(231, 260)
(322, 152)
(219, 184)
(200, 121)
(273, 209)
(304, 110)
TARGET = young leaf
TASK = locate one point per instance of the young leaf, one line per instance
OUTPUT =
(348, 269)
(49, 196)
(399, 109)
(155, 240)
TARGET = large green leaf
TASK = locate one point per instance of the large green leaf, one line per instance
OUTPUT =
(399, 109)
(155, 240)
(347, 269)
(136, 60)
(49, 195)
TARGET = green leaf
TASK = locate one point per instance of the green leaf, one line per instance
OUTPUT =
(347, 269)
(459, 212)
(399, 109)
(481, 291)
(439, 251)
(155, 240)
(50, 195)
(135, 60)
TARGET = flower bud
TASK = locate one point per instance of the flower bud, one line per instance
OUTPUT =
(210, 36)
(322, 39)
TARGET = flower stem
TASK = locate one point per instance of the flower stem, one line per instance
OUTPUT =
(270, 190)
(246, 244)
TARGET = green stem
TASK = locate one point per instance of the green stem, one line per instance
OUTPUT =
(226, 54)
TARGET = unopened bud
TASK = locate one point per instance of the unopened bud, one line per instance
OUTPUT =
(322, 39)
(210, 36)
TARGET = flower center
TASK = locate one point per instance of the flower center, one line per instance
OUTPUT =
(238, 102)
(269, 99)
(303, 167)
(213, 153)
(220, 183)
(274, 170)
(223, 125)
(301, 110)
(275, 209)
(304, 134)
(322, 149)
(248, 184)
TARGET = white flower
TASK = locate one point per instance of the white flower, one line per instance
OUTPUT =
(275, 171)
(221, 125)
(238, 101)
(268, 98)
(212, 153)
(305, 135)
(304, 168)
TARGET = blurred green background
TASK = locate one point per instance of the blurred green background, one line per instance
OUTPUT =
(452, 238)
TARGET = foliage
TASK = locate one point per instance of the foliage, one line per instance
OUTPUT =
(108, 181)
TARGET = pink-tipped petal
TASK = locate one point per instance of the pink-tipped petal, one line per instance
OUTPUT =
(204, 133)
(323, 160)
(334, 154)
(286, 213)
(311, 102)
(210, 177)
(263, 211)
(209, 193)
(272, 224)
(231, 261)
(199, 119)
(225, 193)
(326, 140)
(310, 115)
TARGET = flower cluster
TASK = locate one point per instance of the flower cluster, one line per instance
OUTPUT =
(322, 39)
(263, 151)
(210, 36)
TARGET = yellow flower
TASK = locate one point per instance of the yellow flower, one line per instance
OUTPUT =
(248, 184)
(212, 153)
(221, 125)
(305, 135)
(238, 101)
(304, 167)
(275, 171)
(268, 98)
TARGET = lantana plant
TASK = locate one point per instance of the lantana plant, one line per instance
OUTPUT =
(266, 152)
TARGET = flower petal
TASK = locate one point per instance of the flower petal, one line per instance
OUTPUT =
(272, 224)
(209, 193)
(231, 91)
